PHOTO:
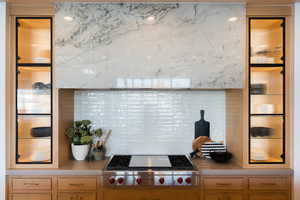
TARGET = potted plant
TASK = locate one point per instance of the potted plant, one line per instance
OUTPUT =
(81, 136)
(97, 135)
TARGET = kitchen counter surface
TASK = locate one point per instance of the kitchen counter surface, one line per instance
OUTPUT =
(204, 167)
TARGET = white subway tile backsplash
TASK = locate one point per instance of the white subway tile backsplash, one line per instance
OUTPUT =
(151, 121)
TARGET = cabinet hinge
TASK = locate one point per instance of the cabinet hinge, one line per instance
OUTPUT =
(18, 24)
(282, 24)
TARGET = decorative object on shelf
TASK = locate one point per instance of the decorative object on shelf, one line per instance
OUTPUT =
(261, 131)
(98, 150)
(259, 155)
(221, 157)
(97, 135)
(258, 88)
(266, 108)
(202, 131)
(80, 136)
(202, 127)
(208, 147)
(41, 132)
(41, 86)
(39, 156)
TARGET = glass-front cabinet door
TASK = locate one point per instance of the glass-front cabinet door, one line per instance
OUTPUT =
(34, 90)
(267, 91)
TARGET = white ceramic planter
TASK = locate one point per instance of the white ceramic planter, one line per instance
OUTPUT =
(80, 151)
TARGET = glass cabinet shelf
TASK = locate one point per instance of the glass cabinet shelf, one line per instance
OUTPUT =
(34, 40)
(34, 90)
(266, 41)
(266, 91)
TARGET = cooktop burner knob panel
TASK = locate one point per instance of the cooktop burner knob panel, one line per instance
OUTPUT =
(120, 180)
(111, 180)
(161, 180)
(188, 180)
(180, 180)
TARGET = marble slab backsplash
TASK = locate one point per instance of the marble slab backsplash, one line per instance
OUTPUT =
(149, 45)
(151, 122)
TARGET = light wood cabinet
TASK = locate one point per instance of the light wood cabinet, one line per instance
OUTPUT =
(91, 188)
(223, 183)
(224, 196)
(77, 183)
(30, 197)
(152, 194)
(31, 184)
(268, 183)
(269, 196)
(77, 196)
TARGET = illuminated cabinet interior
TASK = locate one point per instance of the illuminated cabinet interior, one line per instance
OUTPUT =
(34, 90)
(267, 90)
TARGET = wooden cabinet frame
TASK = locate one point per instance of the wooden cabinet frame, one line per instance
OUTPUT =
(272, 11)
(11, 98)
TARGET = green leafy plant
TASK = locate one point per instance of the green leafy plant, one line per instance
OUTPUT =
(81, 132)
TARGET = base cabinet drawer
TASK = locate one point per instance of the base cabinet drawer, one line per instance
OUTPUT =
(269, 196)
(224, 196)
(30, 197)
(31, 184)
(77, 196)
(224, 183)
(268, 183)
(77, 184)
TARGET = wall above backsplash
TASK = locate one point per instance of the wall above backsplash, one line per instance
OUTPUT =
(140, 45)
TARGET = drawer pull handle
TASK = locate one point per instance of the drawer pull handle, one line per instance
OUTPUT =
(269, 184)
(223, 184)
(35, 184)
(76, 184)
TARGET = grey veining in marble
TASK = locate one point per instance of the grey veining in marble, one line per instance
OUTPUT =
(139, 45)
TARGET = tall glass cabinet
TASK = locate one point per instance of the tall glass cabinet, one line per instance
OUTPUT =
(34, 90)
(267, 90)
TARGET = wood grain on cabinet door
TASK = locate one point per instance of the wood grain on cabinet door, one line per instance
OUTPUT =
(269, 196)
(30, 197)
(158, 193)
(213, 196)
(224, 196)
(233, 196)
(87, 196)
(77, 196)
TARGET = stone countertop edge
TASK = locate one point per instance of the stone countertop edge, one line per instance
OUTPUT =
(201, 172)
(203, 166)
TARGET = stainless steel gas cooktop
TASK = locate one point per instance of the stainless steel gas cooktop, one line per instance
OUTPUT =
(150, 170)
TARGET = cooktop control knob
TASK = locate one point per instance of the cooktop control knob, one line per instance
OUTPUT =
(139, 181)
(111, 180)
(161, 180)
(120, 180)
(180, 180)
(188, 180)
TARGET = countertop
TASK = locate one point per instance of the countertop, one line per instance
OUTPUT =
(204, 167)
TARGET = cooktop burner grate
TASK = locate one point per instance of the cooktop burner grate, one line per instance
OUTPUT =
(180, 162)
(119, 162)
(176, 162)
